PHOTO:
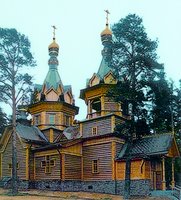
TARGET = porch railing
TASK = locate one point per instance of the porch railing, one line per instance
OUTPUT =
(176, 192)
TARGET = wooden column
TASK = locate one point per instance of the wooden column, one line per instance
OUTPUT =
(173, 174)
(51, 135)
(102, 106)
(113, 160)
(27, 163)
(89, 111)
(82, 168)
(113, 123)
(163, 174)
(63, 167)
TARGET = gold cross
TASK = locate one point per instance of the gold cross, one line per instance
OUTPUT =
(107, 15)
(54, 31)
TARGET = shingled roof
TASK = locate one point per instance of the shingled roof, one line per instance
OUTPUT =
(30, 133)
(148, 146)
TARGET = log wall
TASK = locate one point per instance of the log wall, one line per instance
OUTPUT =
(102, 153)
(7, 159)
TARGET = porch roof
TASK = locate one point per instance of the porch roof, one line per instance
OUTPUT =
(148, 146)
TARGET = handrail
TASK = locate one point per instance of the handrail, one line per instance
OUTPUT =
(176, 192)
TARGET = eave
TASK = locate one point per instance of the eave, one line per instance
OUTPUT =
(51, 106)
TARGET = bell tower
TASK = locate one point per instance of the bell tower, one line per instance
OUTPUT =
(95, 93)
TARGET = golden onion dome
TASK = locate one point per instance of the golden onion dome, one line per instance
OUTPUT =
(106, 31)
(53, 45)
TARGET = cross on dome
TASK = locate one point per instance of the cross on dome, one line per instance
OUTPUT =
(107, 16)
(54, 28)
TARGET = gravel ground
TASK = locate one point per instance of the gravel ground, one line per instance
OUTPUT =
(50, 195)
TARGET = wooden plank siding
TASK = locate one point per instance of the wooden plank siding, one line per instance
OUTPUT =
(147, 169)
(137, 170)
(102, 153)
(118, 148)
(31, 166)
(0, 165)
(103, 126)
(118, 120)
(55, 170)
(7, 159)
(72, 167)
(110, 104)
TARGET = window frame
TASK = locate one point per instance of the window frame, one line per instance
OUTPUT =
(95, 166)
(47, 164)
(51, 118)
(94, 130)
(37, 119)
(67, 120)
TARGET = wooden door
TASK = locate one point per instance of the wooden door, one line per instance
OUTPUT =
(158, 180)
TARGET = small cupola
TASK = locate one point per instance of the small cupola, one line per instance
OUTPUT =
(53, 48)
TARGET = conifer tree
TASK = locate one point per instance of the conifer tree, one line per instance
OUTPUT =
(15, 55)
(135, 64)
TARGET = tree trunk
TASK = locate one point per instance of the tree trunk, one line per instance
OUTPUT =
(14, 151)
(127, 175)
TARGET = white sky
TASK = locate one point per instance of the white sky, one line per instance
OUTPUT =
(79, 24)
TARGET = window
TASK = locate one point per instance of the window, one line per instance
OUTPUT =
(95, 166)
(37, 119)
(43, 163)
(10, 166)
(94, 131)
(51, 119)
(67, 120)
(48, 164)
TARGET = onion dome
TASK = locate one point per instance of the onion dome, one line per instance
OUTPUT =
(53, 45)
(106, 31)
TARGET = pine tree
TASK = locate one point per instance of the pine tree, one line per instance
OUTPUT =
(15, 55)
(135, 64)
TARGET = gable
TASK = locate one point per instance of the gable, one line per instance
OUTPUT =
(51, 95)
(109, 78)
(68, 97)
(6, 140)
(94, 80)
(173, 151)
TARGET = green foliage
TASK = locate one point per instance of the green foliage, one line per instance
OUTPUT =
(3, 121)
(135, 64)
(14, 56)
(15, 85)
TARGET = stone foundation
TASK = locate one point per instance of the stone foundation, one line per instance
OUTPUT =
(138, 187)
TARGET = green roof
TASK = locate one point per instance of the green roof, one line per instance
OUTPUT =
(31, 133)
(53, 79)
(103, 68)
(148, 146)
(38, 87)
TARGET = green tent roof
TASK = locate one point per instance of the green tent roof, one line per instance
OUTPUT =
(103, 68)
(53, 79)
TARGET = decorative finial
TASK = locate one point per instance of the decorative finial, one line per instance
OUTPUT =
(54, 31)
(107, 16)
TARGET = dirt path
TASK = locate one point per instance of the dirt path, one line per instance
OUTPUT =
(51, 195)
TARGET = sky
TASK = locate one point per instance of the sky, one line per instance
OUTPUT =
(79, 24)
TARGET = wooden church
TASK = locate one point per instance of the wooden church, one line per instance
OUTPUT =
(56, 152)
